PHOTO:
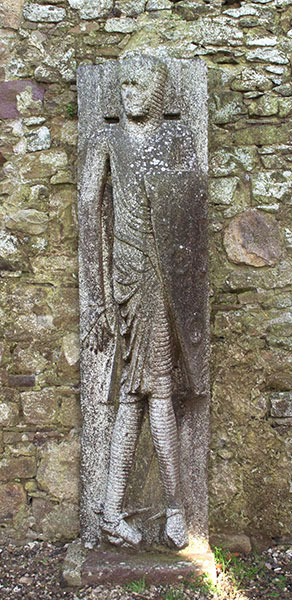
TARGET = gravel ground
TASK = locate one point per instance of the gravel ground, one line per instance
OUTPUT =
(34, 571)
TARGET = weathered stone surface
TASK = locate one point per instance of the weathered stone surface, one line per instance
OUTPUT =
(90, 9)
(62, 228)
(45, 74)
(9, 395)
(62, 177)
(61, 523)
(8, 413)
(22, 467)
(254, 40)
(272, 185)
(230, 162)
(41, 507)
(75, 556)
(10, 14)
(281, 404)
(284, 90)
(121, 568)
(12, 497)
(9, 90)
(46, 13)
(261, 135)
(265, 106)
(43, 164)
(12, 257)
(29, 359)
(251, 79)
(26, 105)
(222, 190)
(285, 107)
(288, 238)
(245, 9)
(172, 193)
(158, 5)
(269, 55)
(122, 25)
(18, 437)
(39, 139)
(21, 380)
(271, 160)
(64, 131)
(230, 478)
(71, 348)
(205, 30)
(190, 10)
(57, 62)
(40, 408)
(58, 472)
(51, 269)
(227, 107)
(21, 449)
(252, 239)
(29, 221)
(253, 278)
(280, 380)
(70, 413)
(130, 8)
(28, 121)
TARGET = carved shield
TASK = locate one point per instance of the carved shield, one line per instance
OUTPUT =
(179, 219)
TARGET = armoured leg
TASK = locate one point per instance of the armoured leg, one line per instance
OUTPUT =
(164, 430)
(123, 445)
(164, 433)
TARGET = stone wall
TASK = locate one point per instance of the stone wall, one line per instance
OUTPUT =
(247, 46)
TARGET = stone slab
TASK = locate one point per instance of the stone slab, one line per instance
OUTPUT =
(118, 568)
(185, 105)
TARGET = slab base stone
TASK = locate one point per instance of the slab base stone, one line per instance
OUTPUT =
(104, 566)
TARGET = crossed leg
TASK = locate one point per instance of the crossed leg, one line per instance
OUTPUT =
(124, 441)
(164, 433)
(165, 438)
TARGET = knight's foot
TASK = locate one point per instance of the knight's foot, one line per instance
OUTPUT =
(175, 529)
(120, 533)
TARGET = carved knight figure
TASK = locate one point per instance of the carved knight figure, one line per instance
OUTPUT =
(152, 162)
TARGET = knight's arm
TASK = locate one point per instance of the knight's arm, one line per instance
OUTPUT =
(91, 284)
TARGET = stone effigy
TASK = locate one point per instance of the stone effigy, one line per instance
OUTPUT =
(143, 297)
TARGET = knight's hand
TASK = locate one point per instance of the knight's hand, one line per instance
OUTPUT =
(98, 335)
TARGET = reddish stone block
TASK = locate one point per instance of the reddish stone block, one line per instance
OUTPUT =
(11, 14)
(2, 159)
(8, 96)
(20, 467)
(21, 380)
(119, 568)
(12, 496)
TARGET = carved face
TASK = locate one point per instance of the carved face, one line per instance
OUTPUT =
(138, 86)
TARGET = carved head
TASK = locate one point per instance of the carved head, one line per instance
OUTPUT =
(142, 81)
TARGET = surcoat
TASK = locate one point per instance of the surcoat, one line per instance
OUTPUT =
(138, 287)
(137, 281)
